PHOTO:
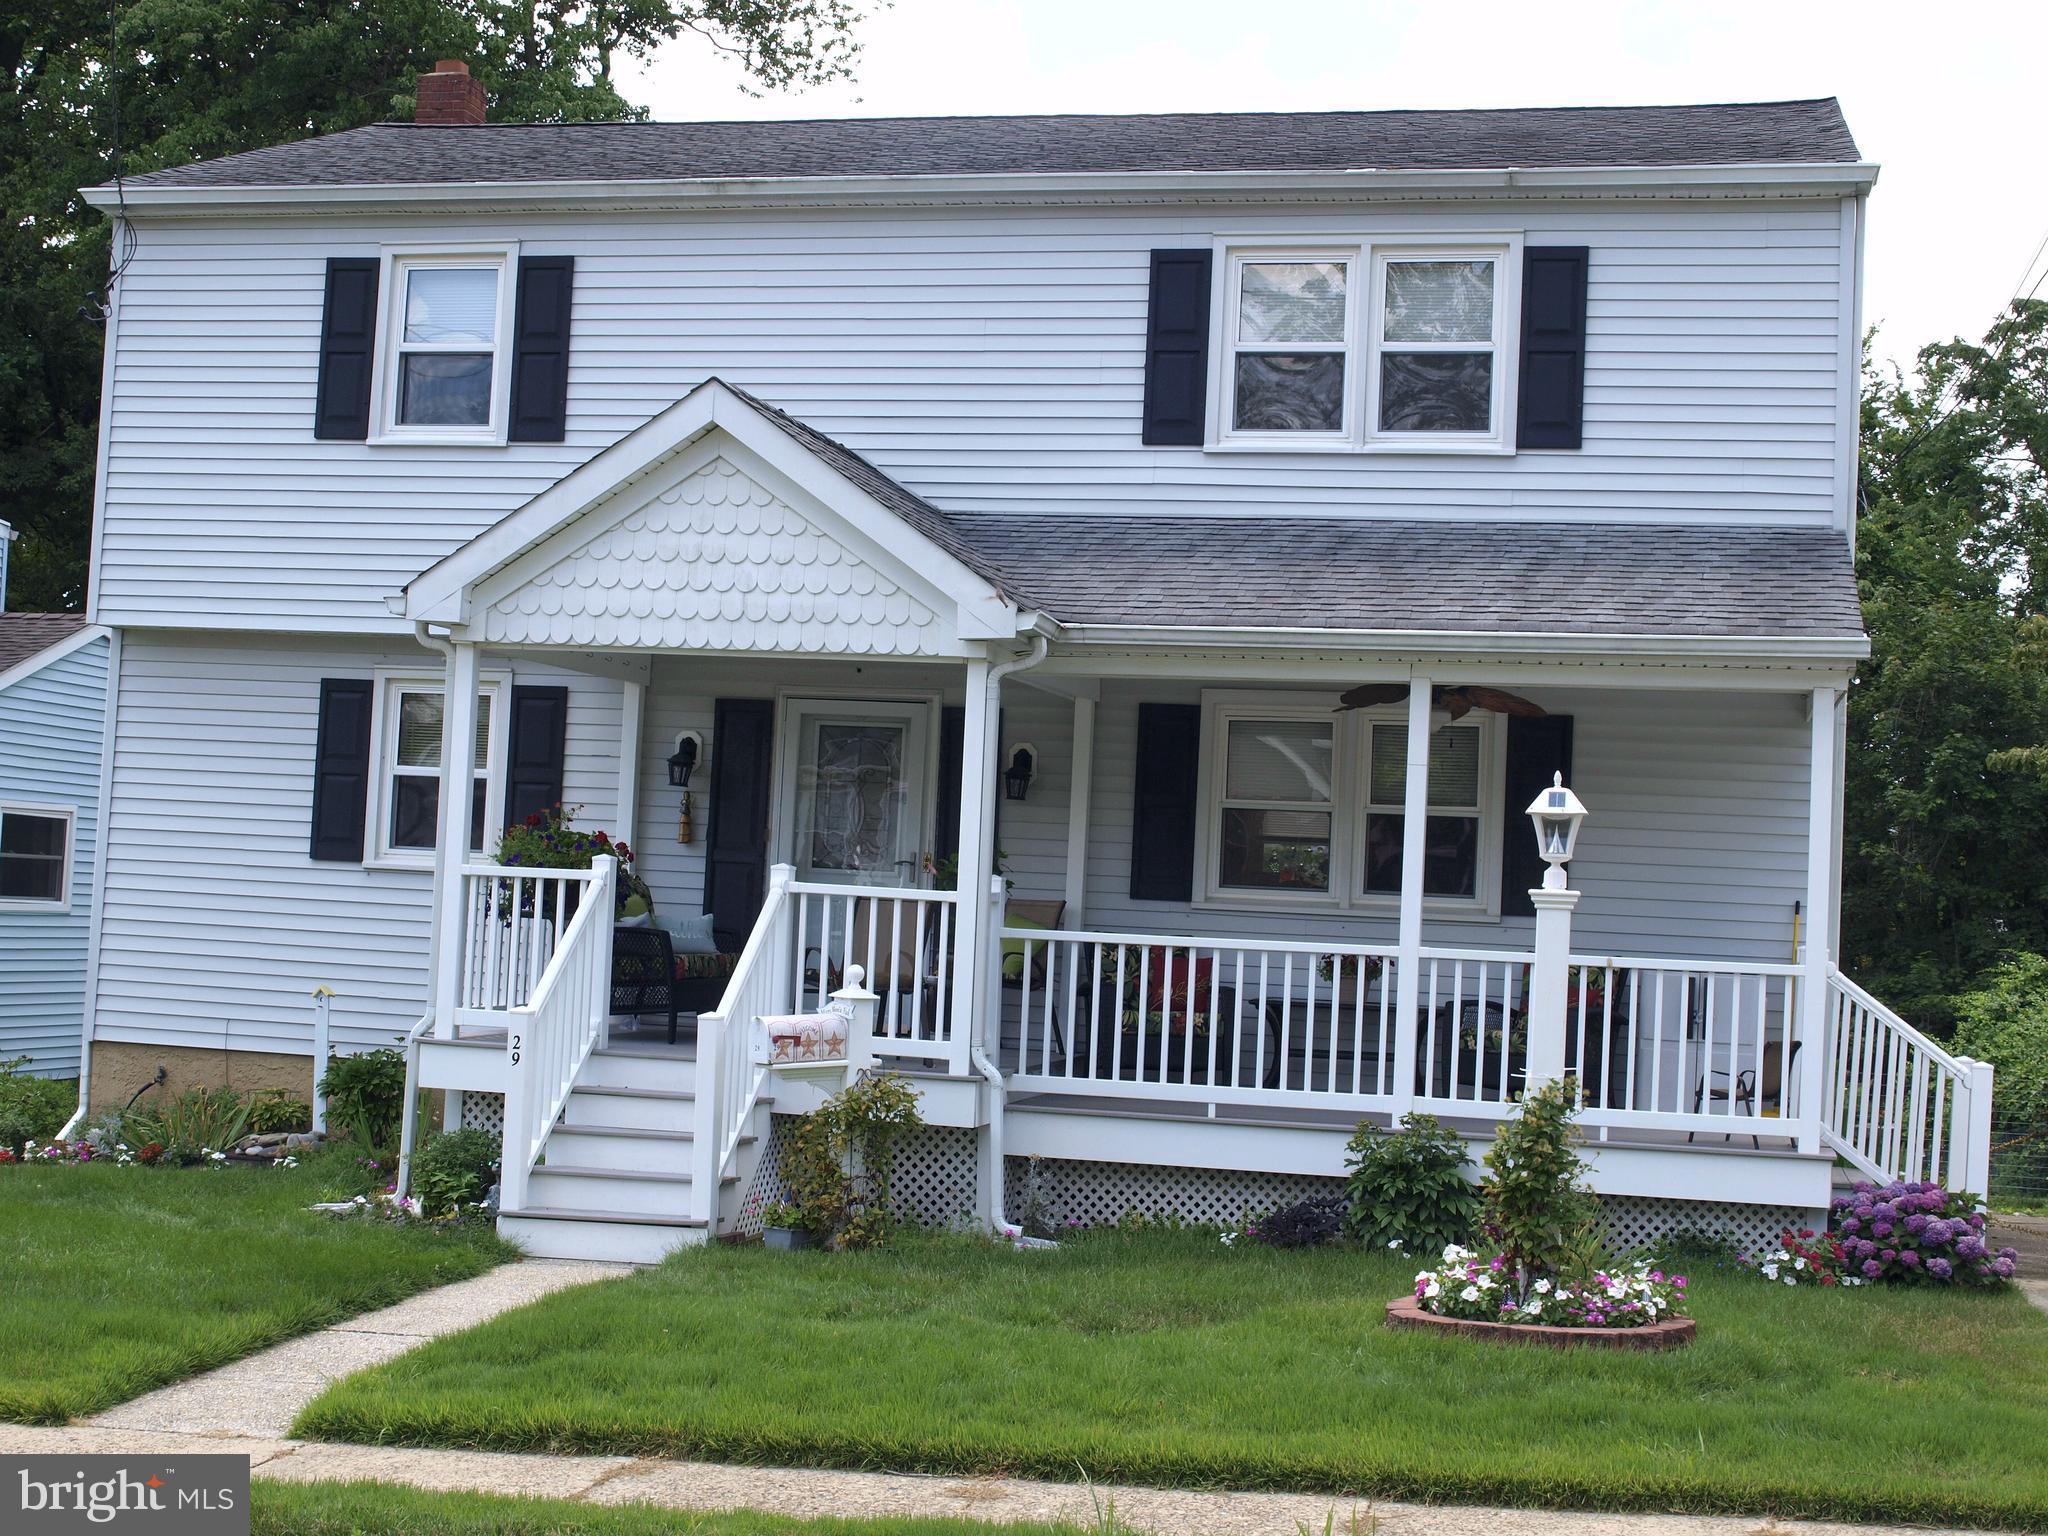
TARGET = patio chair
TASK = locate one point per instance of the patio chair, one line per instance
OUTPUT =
(1751, 1089)
(644, 974)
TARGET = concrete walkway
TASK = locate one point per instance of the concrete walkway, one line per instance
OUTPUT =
(248, 1408)
(262, 1394)
(692, 1485)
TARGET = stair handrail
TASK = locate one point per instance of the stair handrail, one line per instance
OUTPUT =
(1898, 1104)
(551, 1035)
(729, 1079)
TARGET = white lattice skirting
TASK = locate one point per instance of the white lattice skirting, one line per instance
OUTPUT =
(482, 1112)
(935, 1187)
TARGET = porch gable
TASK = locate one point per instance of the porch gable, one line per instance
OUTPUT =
(713, 527)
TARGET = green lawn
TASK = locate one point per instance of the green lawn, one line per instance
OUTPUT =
(119, 1280)
(354, 1509)
(1168, 1359)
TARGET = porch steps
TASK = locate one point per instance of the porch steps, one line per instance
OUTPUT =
(647, 1109)
(638, 1067)
(623, 1237)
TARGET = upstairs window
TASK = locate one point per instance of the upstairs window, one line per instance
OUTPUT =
(1367, 347)
(444, 374)
(35, 858)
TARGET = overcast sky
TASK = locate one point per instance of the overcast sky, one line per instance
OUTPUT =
(1946, 98)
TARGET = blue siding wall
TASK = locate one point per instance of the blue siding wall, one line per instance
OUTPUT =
(50, 743)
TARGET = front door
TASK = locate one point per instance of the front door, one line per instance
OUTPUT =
(855, 790)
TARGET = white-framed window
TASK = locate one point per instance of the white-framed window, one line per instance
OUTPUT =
(1302, 806)
(35, 857)
(1367, 346)
(444, 359)
(405, 754)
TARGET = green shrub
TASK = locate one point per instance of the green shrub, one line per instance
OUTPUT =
(197, 1121)
(1408, 1187)
(366, 1095)
(842, 1154)
(2005, 1022)
(32, 1108)
(453, 1170)
(276, 1109)
(1537, 1206)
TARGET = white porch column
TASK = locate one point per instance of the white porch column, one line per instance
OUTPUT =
(1080, 790)
(978, 752)
(1414, 830)
(632, 707)
(1548, 978)
(1810, 1082)
(451, 844)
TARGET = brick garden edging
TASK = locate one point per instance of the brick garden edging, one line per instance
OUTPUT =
(1672, 1333)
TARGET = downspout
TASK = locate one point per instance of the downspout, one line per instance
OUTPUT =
(409, 1120)
(983, 1063)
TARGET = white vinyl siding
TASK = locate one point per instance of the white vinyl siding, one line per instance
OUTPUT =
(217, 925)
(993, 361)
(51, 725)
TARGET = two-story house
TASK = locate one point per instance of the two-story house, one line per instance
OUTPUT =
(1120, 582)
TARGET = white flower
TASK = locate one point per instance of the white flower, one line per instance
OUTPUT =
(1790, 1281)
(1394, 1244)
(1229, 1238)
(1453, 1254)
(1470, 1293)
(1542, 1287)
(1533, 1308)
(1799, 1263)
(1433, 1289)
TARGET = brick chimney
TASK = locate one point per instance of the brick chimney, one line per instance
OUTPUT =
(449, 95)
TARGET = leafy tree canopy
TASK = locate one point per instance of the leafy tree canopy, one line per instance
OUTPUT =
(1948, 721)
(201, 78)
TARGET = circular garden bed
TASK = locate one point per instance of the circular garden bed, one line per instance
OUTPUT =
(1671, 1333)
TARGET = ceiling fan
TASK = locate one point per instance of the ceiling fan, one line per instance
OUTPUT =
(1447, 703)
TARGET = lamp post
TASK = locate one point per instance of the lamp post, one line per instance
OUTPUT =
(1557, 814)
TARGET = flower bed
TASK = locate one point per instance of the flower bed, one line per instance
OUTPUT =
(1670, 1333)
(1468, 1287)
(1905, 1233)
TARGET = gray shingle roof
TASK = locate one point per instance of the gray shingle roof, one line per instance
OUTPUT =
(1383, 575)
(1811, 131)
(22, 635)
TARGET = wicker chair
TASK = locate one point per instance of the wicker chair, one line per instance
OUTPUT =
(644, 974)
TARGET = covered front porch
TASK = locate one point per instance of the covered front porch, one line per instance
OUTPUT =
(1138, 893)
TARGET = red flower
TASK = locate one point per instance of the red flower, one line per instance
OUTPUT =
(604, 841)
(533, 820)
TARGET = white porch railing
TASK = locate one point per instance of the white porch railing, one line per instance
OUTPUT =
(511, 921)
(1898, 1105)
(1467, 1059)
(553, 1028)
(729, 1077)
(903, 942)
(1214, 1021)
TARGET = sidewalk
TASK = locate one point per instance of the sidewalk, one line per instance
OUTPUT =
(807, 1493)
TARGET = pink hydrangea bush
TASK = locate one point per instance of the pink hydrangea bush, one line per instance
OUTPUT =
(1483, 1289)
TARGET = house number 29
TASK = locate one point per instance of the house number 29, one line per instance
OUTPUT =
(515, 1050)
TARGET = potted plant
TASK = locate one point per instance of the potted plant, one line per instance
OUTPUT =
(783, 1226)
(546, 840)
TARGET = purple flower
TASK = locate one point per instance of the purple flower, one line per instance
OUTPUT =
(1872, 1268)
(1916, 1223)
(1851, 1224)
(1882, 1230)
(1865, 1248)
(1887, 1254)
(1940, 1268)
(1971, 1247)
(2003, 1265)
(1976, 1221)
(1909, 1258)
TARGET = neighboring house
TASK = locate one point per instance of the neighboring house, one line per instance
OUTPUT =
(53, 696)
(1033, 484)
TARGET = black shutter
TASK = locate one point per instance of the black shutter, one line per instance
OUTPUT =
(341, 769)
(540, 349)
(736, 846)
(1553, 386)
(1163, 802)
(348, 349)
(533, 757)
(946, 795)
(1537, 749)
(1177, 349)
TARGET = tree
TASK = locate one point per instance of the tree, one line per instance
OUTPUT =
(1947, 793)
(202, 78)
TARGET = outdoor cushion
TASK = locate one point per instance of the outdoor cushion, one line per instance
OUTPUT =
(716, 967)
(692, 935)
(1013, 949)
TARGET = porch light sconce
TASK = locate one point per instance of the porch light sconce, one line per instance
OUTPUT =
(681, 764)
(1017, 777)
(1557, 813)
